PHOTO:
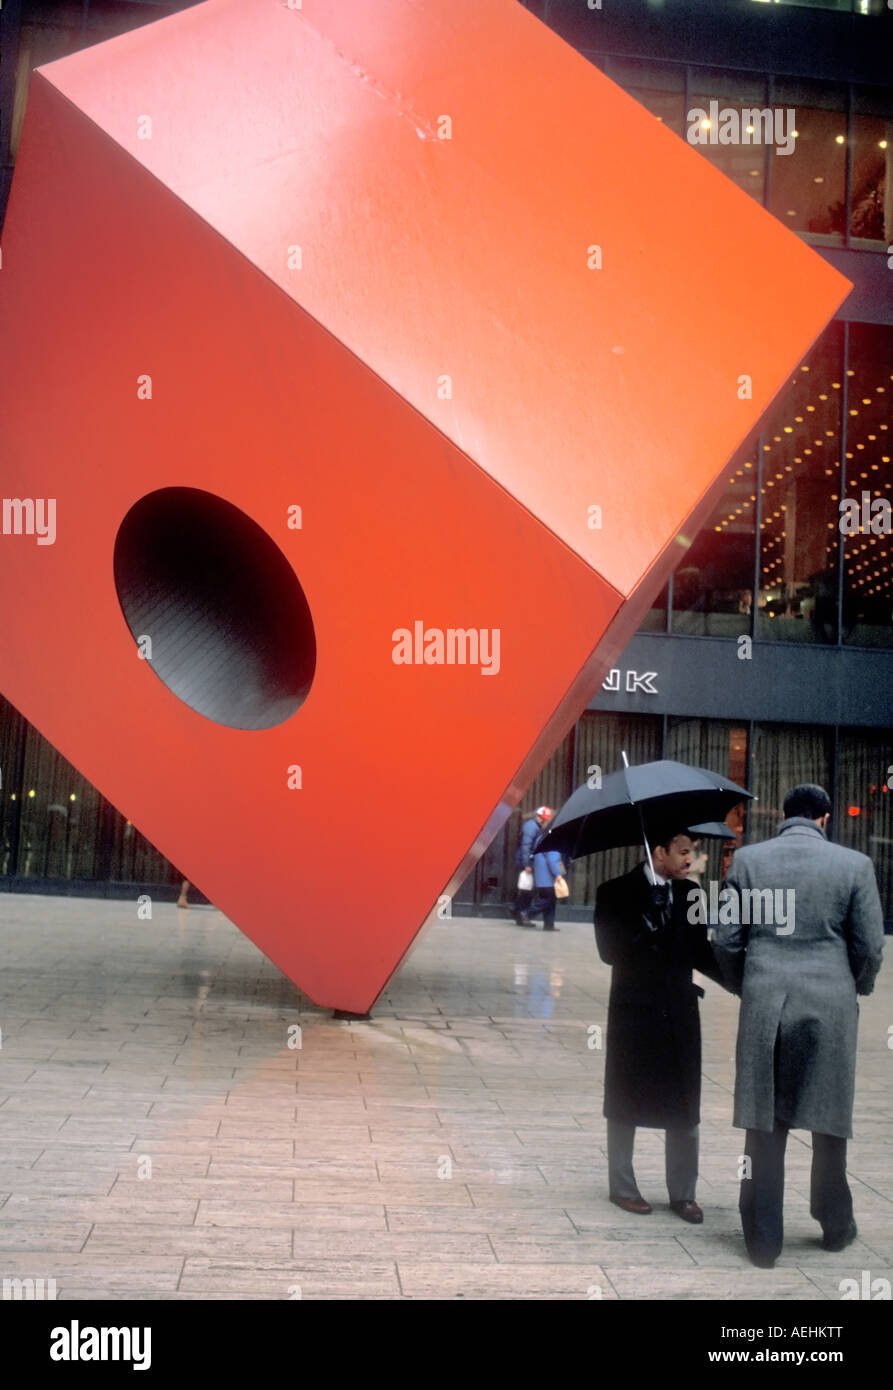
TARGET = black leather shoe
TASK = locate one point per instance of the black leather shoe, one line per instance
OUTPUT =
(832, 1240)
(637, 1205)
(761, 1260)
(551, 929)
(689, 1211)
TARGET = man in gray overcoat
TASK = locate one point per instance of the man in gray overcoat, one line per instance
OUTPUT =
(798, 975)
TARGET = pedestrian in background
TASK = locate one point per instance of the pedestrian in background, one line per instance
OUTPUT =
(531, 831)
(548, 872)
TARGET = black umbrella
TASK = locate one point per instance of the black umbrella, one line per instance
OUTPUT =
(629, 802)
(712, 830)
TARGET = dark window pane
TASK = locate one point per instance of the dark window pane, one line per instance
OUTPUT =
(864, 807)
(871, 217)
(713, 585)
(784, 755)
(864, 7)
(721, 746)
(868, 554)
(799, 533)
(62, 819)
(744, 160)
(658, 86)
(656, 618)
(9, 721)
(807, 188)
(495, 877)
(60, 816)
(600, 740)
(133, 858)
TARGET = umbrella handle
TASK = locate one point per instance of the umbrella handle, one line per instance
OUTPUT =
(641, 817)
(645, 841)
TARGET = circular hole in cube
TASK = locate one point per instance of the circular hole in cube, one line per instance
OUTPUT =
(215, 608)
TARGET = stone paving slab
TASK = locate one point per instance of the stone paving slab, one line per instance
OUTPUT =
(112, 1207)
(322, 1169)
(553, 1221)
(323, 1278)
(471, 1281)
(721, 1282)
(292, 1216)
(246, 1242)
(206, 1189)
(52, 1236)
(565, 1250)
(119, 1277)
(296, 1169)
(75, 1181)
(358, 1248)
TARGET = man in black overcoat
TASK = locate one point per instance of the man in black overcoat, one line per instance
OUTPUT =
(653, 1051)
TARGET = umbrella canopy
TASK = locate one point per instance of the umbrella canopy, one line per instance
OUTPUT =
(712, 830)
(655, 794)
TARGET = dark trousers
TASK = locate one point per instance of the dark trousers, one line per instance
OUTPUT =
(522, 902)
(762, 1194)
(681, 1162)
(545, 904)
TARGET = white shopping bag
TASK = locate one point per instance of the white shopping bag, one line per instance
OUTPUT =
(525, 880)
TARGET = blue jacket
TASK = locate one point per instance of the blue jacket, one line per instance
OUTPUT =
(546, 868)
(530, 832)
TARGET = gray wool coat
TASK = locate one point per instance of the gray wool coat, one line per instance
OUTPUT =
(798, 978)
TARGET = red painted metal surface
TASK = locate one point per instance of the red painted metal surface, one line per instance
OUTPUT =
(440, 377)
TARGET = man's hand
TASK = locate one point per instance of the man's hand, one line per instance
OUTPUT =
(659, 911)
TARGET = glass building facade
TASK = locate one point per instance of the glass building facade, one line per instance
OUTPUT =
(771, 564)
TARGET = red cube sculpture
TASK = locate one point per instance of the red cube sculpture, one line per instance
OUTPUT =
(372, 357)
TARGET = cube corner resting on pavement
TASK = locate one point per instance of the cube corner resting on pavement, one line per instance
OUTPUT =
(370, 396)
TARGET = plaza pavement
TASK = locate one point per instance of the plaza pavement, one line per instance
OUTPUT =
(451, 1148)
